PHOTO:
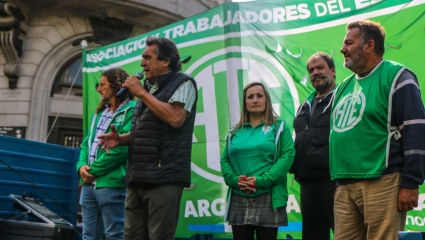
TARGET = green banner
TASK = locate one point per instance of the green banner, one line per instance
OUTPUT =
(268, 41)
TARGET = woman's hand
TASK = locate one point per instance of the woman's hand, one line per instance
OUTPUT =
(247, 184)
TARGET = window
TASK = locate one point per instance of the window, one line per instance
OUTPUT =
(67, 132)
(66, 76)
(65, 125)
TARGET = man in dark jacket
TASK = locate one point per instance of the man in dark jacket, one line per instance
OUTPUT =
(160, 143)
(311, 163)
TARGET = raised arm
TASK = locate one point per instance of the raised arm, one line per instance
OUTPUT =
(173, 114)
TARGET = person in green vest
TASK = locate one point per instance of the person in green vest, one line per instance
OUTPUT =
(377, 139)
(257, 156)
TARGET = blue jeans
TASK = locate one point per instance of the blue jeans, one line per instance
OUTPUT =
(103, 212)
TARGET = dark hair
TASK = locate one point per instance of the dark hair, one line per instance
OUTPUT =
(116, 77)
(166, 49)
(269, 114)
(370, 30)
(325, 56)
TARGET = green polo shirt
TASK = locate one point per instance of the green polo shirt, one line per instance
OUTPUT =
(252, 151)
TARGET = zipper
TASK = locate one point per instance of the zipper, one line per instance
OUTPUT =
(160, 152)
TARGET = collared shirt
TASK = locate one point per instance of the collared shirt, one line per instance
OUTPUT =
(103, 124)
(185, 93)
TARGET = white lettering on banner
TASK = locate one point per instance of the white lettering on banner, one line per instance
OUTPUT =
(237, 18)
(292, 204)
(178, 31)
(415, 221)
(320, 9)
(274, 15)
(203, 208)
(190, 210)
(263, 16)
(217, 207)
(216, 22)
(331, 7)
(118, 51)
(251, 16)
(202, 24)
(304, 12)
(190, 28)
(365, 3)
(229, 18)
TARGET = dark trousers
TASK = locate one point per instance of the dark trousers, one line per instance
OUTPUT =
(151, 213)
(317, 202)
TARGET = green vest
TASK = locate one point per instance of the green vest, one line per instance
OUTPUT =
(360, 120)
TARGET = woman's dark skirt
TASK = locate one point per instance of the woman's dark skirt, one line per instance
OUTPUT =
(257, 211)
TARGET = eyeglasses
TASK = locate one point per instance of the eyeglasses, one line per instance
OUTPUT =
(96, 85)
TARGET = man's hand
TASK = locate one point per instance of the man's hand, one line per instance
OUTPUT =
(109, 140)
(134, 85)
(85, 175)
(407, 199)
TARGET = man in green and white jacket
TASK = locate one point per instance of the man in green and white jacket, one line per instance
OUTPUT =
(102, 174)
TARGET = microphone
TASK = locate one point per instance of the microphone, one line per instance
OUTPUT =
(123, 90)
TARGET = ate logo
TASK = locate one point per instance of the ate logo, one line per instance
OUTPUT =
(348, 111)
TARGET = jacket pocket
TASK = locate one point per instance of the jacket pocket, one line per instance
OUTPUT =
(317, 155)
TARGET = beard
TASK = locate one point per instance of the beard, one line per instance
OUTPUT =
(102, 105)
(356, 61)
(105, 101)
(323, 86)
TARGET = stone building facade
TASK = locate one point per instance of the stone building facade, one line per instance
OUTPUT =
(40, 56)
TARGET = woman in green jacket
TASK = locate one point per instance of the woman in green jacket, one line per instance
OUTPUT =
(258, 154)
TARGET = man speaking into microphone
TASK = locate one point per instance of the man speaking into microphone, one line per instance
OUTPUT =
(160, 143)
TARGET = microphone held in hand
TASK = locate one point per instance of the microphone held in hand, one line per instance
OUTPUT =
(123, 90)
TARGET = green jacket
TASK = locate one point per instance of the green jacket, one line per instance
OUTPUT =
(109, 169)
(274, 178)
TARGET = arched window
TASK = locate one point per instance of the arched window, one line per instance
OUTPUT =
(70, 73)
(65, 125)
